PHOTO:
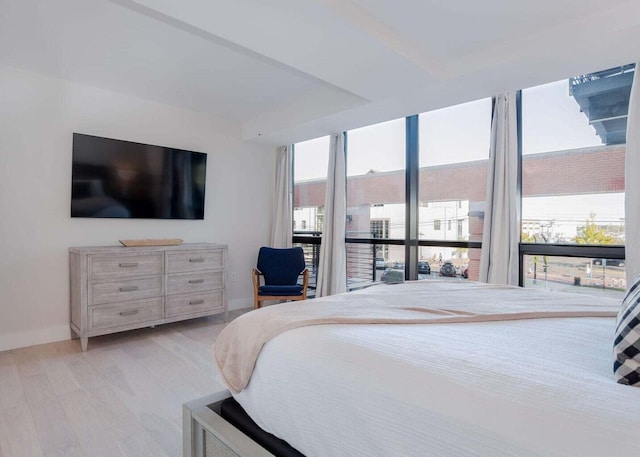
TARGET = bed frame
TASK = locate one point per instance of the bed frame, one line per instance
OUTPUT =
(206, 434)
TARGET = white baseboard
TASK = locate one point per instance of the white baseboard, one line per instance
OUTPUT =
(32, 337)
(17, 340)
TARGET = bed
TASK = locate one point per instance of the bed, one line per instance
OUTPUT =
(521, 385)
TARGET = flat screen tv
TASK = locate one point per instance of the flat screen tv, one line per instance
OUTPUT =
(122, 179)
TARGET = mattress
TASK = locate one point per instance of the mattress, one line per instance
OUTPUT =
(518, 388)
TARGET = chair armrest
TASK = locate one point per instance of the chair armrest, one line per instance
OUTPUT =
(255, 278)
(305, 282)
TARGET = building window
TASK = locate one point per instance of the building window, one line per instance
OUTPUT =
(436, 224)
(380, 228)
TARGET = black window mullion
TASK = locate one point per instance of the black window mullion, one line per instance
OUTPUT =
(411, 199)
(519, 183)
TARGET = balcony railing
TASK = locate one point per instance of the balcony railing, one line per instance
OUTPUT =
(583, 79)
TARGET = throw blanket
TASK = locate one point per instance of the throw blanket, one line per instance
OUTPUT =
(417, 302)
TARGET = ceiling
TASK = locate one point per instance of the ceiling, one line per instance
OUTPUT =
(290, 70)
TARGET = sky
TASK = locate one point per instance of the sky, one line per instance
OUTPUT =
(552, 121)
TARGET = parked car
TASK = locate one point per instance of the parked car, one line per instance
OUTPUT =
(380, 263)
(609, 262)
(448, 269)
(392, 276)
(424, 268)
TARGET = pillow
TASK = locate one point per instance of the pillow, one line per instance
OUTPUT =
(626, 346)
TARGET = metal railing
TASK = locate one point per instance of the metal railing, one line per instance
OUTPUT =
(361, 267)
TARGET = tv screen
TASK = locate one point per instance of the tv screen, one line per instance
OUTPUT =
(121, 179)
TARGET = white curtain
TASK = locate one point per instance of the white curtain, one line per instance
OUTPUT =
(282, 224)
(632, 183)
(501, 233)
(332, 271)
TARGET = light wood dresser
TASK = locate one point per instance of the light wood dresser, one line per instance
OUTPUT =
(116, 288)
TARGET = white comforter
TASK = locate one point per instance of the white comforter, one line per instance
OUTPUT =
(520, 388)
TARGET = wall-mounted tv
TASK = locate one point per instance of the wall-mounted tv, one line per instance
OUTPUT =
(121, 179)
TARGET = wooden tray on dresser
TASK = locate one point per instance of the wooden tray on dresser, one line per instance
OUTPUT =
(152, 242)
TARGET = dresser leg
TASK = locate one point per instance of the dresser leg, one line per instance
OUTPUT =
(84, 342)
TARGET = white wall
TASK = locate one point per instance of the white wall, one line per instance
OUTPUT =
(38, 115)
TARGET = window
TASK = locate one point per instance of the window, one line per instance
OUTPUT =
(454, 152)
(375, 197)
(573, 159)
(310, 162)
(311, 159)
(573, 146)
(380, 228)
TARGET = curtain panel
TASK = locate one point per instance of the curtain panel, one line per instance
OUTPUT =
(499, 260)
(332, 269)
(282, 224)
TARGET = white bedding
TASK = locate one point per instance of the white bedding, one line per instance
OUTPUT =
(520, 388)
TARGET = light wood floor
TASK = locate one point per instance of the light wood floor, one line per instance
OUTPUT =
(123, 397)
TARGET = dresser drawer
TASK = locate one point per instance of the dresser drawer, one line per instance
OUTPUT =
(103, 267)
(122, 314)
(193, 303)
(133, 289)
(193, 282)
(186, 261)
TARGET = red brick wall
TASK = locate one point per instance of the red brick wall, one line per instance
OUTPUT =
(579, 171)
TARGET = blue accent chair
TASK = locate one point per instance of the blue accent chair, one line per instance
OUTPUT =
(280, 270)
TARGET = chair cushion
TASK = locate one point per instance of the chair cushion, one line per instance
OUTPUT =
(626, 346)
(280, 267)
(280, 290)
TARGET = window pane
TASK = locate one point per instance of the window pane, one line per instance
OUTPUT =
(454, 151)
(311, 159)
(376, 181)
(573, 141)
(576, 274)
(312, 259)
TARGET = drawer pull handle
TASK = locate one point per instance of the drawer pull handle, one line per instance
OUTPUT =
(128, 264)
(128, 288)
(197, 260)
(196, 281)
(196, 302)
(129, 313)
